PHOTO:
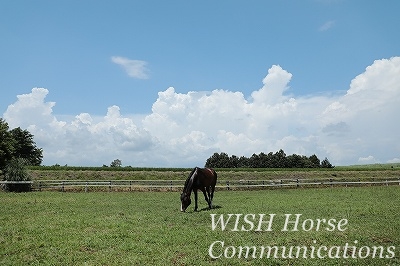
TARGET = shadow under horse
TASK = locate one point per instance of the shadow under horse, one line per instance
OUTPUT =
(204, 179)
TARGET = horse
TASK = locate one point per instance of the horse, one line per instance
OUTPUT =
(200, 178)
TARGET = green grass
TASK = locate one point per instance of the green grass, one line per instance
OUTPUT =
(144, 228)
(351, 173)
(387, 166)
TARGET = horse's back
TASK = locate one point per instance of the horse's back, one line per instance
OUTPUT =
(208, 177)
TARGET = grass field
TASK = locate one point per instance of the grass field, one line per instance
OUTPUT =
(145, 228)
(122, 173)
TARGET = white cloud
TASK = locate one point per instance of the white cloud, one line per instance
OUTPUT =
(185, 129)
(134, 68)
(394, 160)
(81, 141)
(31, 107)
(367, 160)
(275, 84)
(327, 25)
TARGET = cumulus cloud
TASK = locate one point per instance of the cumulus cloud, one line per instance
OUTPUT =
(134, 68)
(275, 84)
(82, 141)
(184, 129)
(31, 107)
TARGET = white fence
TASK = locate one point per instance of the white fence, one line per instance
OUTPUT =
(177, 185)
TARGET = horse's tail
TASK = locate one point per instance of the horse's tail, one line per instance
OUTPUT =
(214, 182)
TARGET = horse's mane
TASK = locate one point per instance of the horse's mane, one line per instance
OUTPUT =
(185, 188)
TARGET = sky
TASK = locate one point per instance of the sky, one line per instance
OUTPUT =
(168, 83)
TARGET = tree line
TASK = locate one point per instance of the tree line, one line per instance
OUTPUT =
(278, 159)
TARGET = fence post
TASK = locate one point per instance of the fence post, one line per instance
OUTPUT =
(130, 185)
(86, 186)
(109, 187)
(62, 186)
(40, 185)
(171, 184)
(297, 182)
(227, 185)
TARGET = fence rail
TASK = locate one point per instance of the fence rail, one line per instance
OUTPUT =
(175, 185)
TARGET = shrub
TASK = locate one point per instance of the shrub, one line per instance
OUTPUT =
(16, 170)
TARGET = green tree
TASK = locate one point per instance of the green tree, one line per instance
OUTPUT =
(234, 161)
(116, 163)
(295, 161)
(264, 160)
(6, 144)
(25, 147)
(243, 162)
(315, 163)
(254, 161)
(219, 160)
(17, 143)
(280, 159)
(326, 164)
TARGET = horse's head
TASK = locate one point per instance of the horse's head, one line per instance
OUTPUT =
(185, 199)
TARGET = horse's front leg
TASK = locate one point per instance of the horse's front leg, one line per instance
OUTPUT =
(195, 200)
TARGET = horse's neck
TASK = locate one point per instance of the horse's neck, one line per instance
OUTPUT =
(191, 180)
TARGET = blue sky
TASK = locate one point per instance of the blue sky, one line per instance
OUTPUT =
(89, 56)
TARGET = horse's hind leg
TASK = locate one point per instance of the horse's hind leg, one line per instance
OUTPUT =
(209, 200)
(212, 194)
(205, 196)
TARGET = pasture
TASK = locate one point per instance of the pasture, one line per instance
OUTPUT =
(130, 173)
(146, 228)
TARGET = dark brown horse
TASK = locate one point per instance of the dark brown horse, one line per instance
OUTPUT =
(200, 178)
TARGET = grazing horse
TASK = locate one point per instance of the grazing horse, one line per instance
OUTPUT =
(200, 178)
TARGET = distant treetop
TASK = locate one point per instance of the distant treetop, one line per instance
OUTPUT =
(278, 159)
